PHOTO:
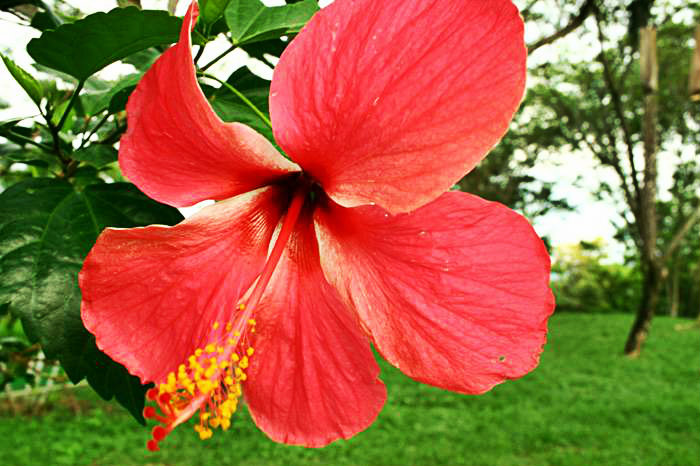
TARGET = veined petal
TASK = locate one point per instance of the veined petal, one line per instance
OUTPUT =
(454, 294)
(177, 150)
(313, 379)
(393, 101)
(151, 295)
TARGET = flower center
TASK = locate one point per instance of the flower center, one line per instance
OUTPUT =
(210, 380)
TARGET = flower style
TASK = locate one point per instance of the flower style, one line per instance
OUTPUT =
(275, 292)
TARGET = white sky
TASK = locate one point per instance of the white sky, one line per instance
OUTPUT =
(592, 219)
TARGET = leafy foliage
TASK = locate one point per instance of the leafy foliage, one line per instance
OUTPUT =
(27, 81)
(83, 48)
(584, 280)
(211, 10)
(251, 21)
(230, 107)
(47, 227)
(597, 108)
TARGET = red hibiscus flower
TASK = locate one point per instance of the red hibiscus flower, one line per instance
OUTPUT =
(276, 292)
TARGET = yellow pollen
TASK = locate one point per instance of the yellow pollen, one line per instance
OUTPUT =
(211, 377)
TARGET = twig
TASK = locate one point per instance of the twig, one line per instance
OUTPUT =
(215, 60)
(199, 54)
(94, 130)
(574, 23)
(680, 234)
(30, 141)
(617, 106)
(69, 107)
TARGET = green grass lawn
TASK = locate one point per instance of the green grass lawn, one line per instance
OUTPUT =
(584, 405)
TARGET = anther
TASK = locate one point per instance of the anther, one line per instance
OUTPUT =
(152, 445)
(159, 433)
(152, 394)
(149, 412)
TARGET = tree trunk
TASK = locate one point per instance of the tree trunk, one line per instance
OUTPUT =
(694, 78)
(642, 323)
(647, 216)
(674, 295)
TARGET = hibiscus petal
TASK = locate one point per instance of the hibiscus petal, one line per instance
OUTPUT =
(392, 102)
(151, 295)
(313, 378)
(454, 294)
(177, 150)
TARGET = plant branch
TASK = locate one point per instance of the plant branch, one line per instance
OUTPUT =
(680, 234)
(585, 11)
(31, 141)
(245, 100)
(70, 105)
(199, 54)
(114, 136)
(219, 57)
(619, 111)
(94, 130)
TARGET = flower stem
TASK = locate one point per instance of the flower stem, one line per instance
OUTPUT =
(72, 101)
(245, 100)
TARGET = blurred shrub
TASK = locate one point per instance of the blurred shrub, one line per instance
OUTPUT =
(585, 280)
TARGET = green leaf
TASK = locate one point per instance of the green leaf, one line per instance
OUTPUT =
(7, 4)
(143, 59)
(119, 100)
(96, 102)
(230, 107)
(97, 155)
(42, 21)
(58, 113)
(30, 85)
(15, 133)
(273, 47)
(82, 48)
(31, 157)
(47, 227)
(211, 10)
(252, 21)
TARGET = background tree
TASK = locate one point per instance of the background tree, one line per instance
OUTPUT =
(599, 108)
